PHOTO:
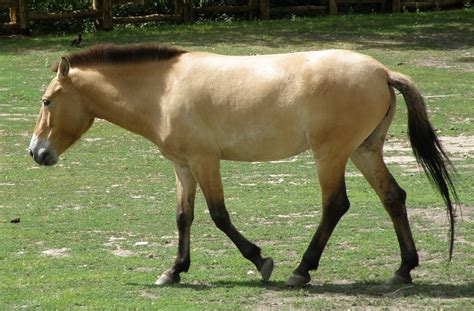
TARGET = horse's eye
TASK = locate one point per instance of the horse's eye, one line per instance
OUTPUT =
(46, 102)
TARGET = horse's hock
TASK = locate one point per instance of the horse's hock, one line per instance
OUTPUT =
(101, 11)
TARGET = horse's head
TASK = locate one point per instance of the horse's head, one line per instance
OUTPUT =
(63, 118)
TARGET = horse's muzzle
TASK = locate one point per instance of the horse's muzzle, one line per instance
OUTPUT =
(43, 157)
(40, 152)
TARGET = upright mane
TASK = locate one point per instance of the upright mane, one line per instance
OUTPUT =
(121, 54)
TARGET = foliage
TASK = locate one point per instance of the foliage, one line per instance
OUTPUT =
(113, 189)
(81, 25)
(4, 17)
(60, 26)
(150, 7)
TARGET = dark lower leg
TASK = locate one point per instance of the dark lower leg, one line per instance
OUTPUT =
(183, 259)
(394, 203)
(311, 257)
(370, 162)
(407, 247)
(333, 210)
(221, 218)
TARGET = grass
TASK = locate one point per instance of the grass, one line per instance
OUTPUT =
(80, 221)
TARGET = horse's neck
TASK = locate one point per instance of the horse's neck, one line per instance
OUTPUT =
(122, 103)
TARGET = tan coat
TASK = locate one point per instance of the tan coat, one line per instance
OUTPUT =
(201, 108)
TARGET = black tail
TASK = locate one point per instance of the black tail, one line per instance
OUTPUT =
(427, 148)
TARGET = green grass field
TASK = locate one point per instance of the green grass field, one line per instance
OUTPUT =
(98, 228)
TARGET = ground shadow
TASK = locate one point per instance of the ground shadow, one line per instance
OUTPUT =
(449, 30)
(369, 289)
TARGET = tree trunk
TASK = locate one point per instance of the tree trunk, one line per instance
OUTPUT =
(24, 18)
(264, 9)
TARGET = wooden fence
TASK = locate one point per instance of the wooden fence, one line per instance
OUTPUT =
(185, 11)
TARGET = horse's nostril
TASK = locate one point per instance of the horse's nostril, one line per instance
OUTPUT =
(30, 152)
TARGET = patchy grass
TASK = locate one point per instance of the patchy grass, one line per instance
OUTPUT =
(98, 228)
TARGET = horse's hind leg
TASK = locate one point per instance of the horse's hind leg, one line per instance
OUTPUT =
(368, 159)
(207, 173)
(335, 205)
(186, 192)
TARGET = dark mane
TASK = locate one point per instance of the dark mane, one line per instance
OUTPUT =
(121, 54)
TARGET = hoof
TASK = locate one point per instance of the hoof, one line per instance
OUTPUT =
(167, 279)
(298, 280)
(267, 269)
(398, 279)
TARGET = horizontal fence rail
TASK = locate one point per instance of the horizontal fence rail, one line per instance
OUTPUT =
(187, 10)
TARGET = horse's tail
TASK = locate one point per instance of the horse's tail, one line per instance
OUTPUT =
(426, 146)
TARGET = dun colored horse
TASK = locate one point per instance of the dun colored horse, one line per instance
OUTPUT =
(201, 108)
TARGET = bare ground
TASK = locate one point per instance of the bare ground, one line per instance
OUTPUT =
(458, 147)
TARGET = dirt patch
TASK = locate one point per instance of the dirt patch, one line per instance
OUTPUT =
(434, 216)
(124, 253)
(459, 147)
(437, 215)
(400, 159)
(462, 144)
(148, 294)
(56, 252)
(434, 62)
(465, 62)
(114, 241)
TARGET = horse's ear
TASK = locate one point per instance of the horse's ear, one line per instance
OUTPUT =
(63, 69)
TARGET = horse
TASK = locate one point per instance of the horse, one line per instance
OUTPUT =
(200, 108)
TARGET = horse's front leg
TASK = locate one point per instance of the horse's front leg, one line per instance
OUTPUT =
(186, 192)
(207, 172)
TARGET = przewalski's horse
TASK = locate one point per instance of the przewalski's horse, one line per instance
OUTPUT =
(201, 108)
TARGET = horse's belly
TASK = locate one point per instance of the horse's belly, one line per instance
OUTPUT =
(263, 148)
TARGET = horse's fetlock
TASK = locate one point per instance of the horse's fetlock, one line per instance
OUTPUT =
(252, 253)
(308, 262)
(182, 265)
(411, 262)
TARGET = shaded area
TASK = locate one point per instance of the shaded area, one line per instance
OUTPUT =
(448, 30)
(367, 289)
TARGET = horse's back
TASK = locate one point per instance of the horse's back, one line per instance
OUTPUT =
(272, 106)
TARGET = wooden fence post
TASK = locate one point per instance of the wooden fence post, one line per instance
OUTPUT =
(24, 18)
(13, 14)
(107, 14)
(97, 6)
(396, 6)
(178, 4)
(104, 22)
(188, 11)
(332, 7)
(253, 9)
(264, 9)
(178, 8)
(184, 8)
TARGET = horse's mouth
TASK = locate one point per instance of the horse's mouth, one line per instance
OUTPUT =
(44, 157)
(41, 152)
